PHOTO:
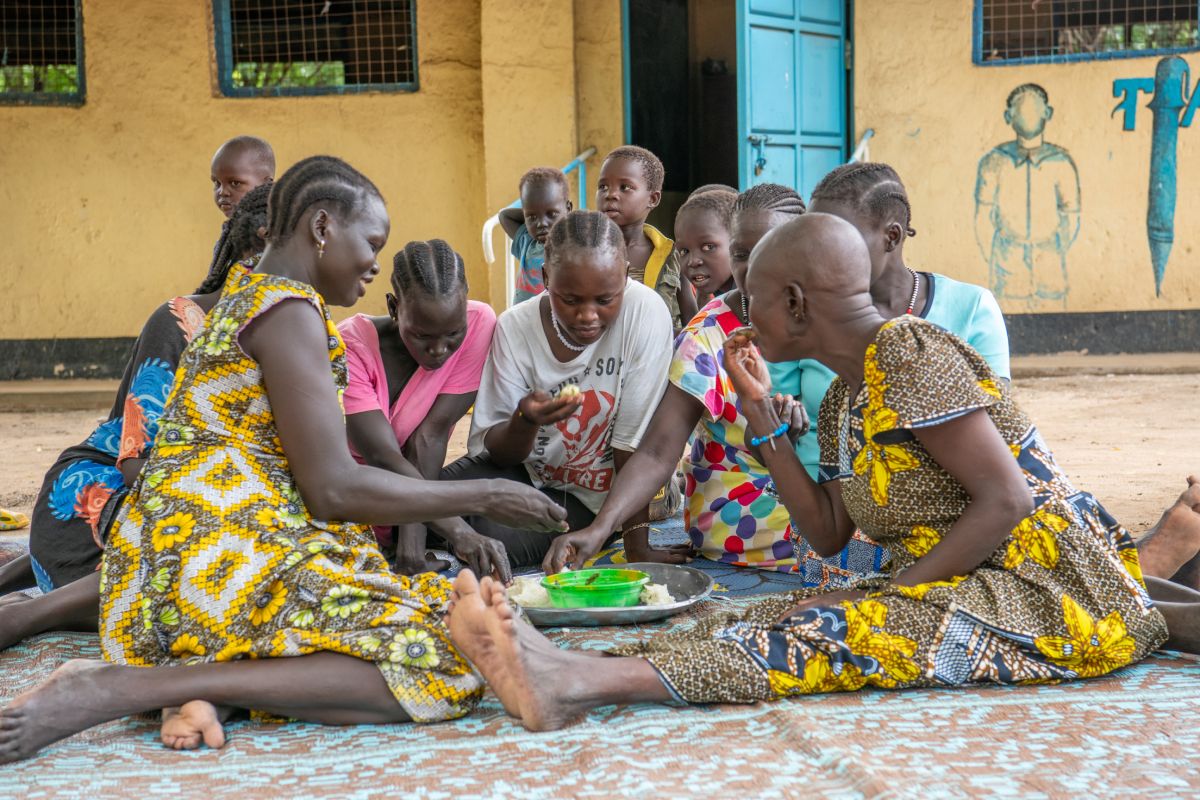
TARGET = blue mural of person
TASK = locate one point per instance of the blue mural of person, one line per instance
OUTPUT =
(1027, 208)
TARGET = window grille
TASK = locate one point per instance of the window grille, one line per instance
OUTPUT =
(41, 51)
(297, 47)
(1049, 31)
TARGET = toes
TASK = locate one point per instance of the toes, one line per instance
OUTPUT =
(466, 583)
(214, 736)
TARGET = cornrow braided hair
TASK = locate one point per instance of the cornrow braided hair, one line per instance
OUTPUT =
(773, 197)
(718, 201)
(588, 230)
(238, 236)
(652, 167)
(871, 187)
(712, 187)
(431, 267)
(317, 179)
(539, 176)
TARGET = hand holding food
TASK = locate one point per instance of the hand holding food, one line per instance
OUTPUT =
(746, 368)
(540, 408)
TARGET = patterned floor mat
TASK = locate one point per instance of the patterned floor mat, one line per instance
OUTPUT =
(1132, 734)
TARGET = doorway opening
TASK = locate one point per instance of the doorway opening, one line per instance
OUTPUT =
(683, 94)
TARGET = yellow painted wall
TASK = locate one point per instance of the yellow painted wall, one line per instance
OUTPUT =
(936, 114)
(528, 84)
(108, 207)
(599, 87)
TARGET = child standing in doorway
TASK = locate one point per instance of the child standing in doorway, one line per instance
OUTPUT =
(544, 199)
(629, 188)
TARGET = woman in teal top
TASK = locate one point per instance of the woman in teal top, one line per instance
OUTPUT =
(871, 197)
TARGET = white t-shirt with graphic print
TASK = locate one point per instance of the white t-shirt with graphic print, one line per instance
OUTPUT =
(621, 378)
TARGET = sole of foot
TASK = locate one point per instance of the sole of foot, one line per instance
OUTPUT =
(541, 677)
(190, 725)
(467, 621)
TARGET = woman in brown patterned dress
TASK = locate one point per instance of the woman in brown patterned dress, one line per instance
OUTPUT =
(1001, 572)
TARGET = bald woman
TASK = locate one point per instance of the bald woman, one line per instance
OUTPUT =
(1001, 572)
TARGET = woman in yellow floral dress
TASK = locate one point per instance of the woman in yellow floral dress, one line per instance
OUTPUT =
(226, 556)
(1001, 571)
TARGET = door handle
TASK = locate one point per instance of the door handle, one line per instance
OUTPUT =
(759, 144)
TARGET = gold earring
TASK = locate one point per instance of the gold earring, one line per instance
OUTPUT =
(320, 248)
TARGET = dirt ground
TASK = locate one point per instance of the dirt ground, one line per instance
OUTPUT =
(1126, 438)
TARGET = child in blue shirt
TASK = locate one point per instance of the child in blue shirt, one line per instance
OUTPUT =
(543, 192)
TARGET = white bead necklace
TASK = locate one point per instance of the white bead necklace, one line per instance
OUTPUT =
(558, 331)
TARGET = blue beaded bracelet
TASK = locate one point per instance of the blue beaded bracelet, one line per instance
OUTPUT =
(755, 441)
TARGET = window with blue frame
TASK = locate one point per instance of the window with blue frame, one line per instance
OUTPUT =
(1051, 31)
(41, 52)
(300, 47)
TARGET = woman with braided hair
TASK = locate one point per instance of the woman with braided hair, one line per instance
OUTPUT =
(569, 387)
(729, 514)
(83, 490)
(413, 374)
(240, 572)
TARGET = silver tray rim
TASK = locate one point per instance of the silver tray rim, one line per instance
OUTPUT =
(628, 615)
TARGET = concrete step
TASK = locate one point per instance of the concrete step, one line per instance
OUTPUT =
(73, 394)
(78, 394)
(1062, 364)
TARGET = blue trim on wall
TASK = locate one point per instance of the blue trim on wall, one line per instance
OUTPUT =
(848, 41)
(626, 90)
(75, 98)
(223, 42)
(977, 49)
(743, 100)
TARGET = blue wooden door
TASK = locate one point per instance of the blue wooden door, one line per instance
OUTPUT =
(791, 91)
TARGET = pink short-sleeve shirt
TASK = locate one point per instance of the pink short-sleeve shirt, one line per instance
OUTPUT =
(368, 389)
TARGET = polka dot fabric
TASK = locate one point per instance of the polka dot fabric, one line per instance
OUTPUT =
(730, 513)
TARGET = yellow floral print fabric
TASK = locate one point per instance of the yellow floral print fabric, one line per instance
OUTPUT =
(214, 556)
(1060, 598)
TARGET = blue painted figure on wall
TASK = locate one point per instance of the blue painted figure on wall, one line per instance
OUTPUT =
(1027, 208)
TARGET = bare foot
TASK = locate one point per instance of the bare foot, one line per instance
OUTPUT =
(524, 667)
(74, 698)
(466, 620)
(185, 727)
(1175, 540)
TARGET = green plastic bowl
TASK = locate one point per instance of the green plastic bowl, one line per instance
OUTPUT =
(595, 588)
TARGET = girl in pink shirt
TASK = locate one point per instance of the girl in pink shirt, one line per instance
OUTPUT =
(413, 375)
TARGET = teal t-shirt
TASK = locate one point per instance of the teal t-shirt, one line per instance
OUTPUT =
(530, 255)
(968, 311)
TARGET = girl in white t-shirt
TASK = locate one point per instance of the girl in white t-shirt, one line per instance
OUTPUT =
(570, 384)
